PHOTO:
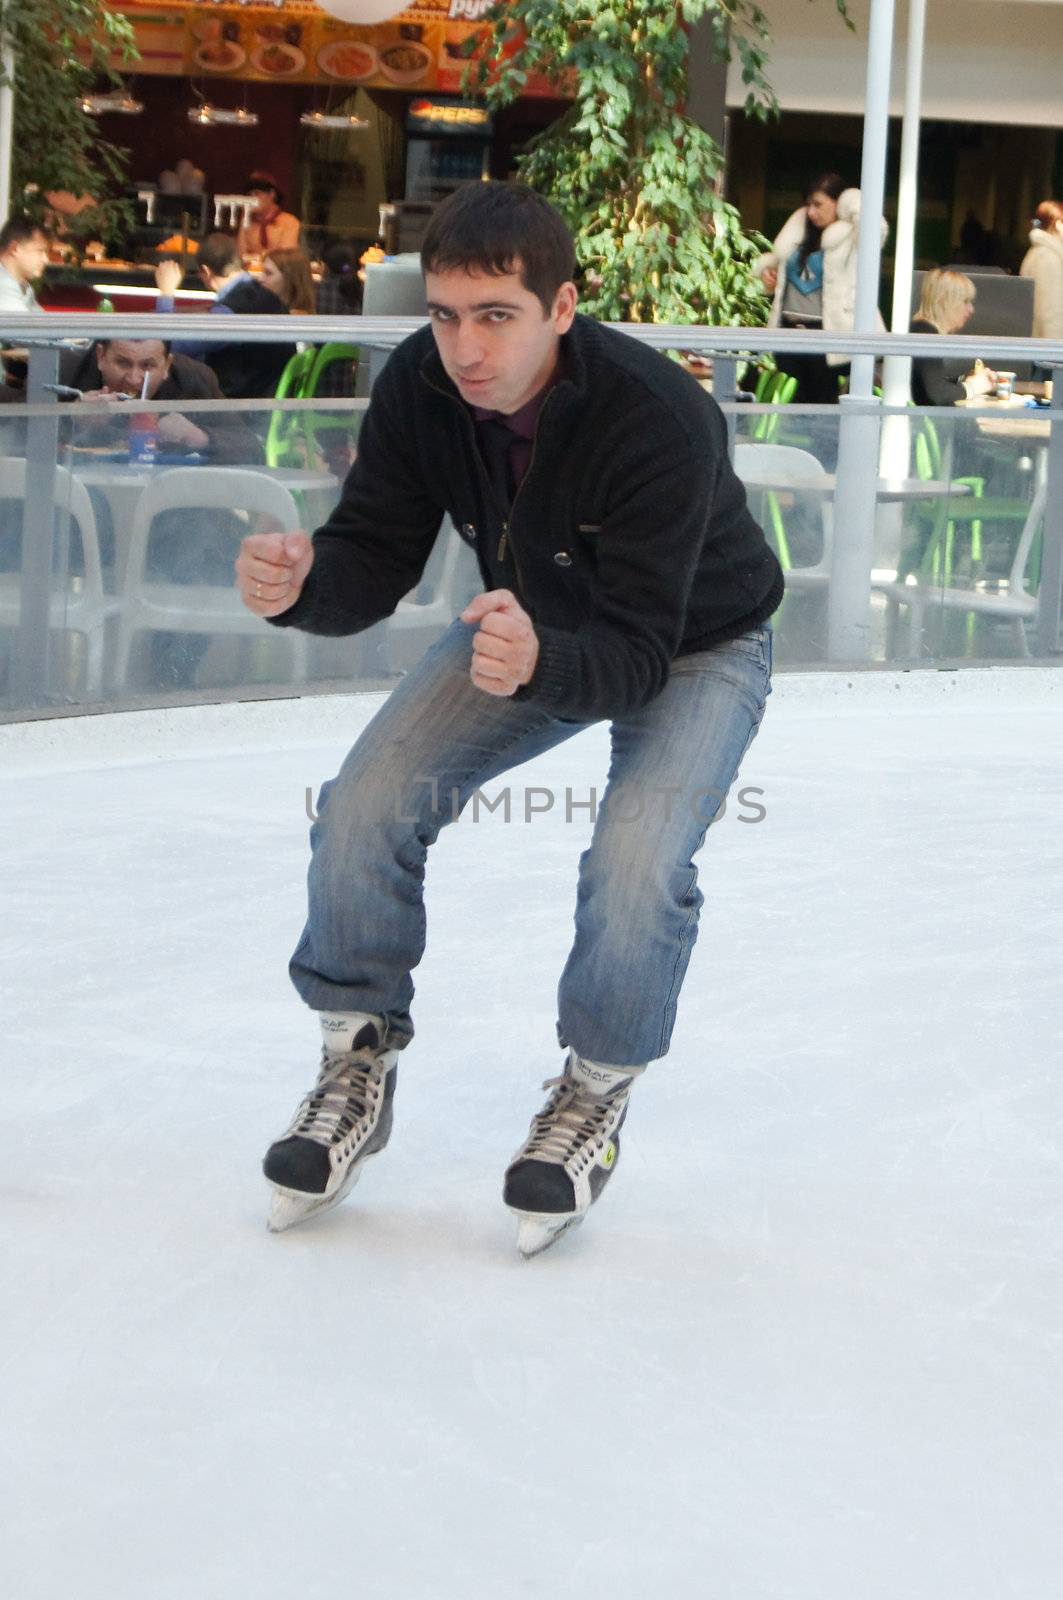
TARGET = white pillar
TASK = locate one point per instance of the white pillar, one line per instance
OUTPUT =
(897, 371)
(872, 186)
(849, 598)
(7, 129)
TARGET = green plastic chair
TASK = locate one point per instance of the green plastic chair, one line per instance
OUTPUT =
(324, 357)
(935, 552)
(318, 425)
(765, 379)
(778, 391)
(286, 435)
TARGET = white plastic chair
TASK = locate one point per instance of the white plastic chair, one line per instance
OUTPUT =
(782, 468)
(158, 606)
(1013, 603)
(438, 598)
(83, 608)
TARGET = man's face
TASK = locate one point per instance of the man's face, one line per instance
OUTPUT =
(124, 364)
(494, 340)
(29, 258)
(264, 199)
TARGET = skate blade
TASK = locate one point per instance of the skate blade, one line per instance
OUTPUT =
(536, 1232)
(289, 1207)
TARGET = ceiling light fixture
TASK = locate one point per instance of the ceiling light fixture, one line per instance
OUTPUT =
(206, 116)
(119, 102)
(328, 119)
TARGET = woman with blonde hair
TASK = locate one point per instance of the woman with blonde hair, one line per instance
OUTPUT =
(1043, 262)
(287, 273)
(946, 305)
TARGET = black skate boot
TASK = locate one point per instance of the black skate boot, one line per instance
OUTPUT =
(344, 1120)
(570, 1153)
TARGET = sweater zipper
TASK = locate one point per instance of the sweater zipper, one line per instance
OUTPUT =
(507, 530)
(507, 525)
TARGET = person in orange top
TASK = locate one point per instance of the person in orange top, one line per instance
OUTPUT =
(268, 228)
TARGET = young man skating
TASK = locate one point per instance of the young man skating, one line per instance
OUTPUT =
(624, 580)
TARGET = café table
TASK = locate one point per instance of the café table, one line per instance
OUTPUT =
(849, 605)
(886, 489)
(1008, 419)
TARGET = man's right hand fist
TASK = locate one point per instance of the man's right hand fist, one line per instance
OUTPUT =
(271, 570)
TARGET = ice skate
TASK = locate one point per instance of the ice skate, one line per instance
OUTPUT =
(344, 1120)
(570, 1153)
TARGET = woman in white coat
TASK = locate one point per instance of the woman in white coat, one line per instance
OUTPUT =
(810, 272)
(1043, 262)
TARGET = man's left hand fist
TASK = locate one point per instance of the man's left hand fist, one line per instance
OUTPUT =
(505, 649)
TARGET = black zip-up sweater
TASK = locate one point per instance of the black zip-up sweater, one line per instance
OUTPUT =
(629, 538)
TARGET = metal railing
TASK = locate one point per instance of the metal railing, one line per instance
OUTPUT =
(851, 438)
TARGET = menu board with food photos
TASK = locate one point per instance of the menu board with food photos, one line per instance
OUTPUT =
(423, 47)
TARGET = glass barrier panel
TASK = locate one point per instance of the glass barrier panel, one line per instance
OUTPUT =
(149, 506)
(958, 530)
(120, 522)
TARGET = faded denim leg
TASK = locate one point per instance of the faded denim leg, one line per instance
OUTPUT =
(434, 742)
(637, 902)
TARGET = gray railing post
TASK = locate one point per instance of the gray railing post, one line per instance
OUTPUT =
(31, 656)
(849, 601)
(724, 389)
(1050, 593)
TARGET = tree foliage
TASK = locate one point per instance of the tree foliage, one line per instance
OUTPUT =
(62, 51)
(635, 178)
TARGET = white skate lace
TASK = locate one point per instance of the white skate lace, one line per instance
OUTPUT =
(347, 1089)
(571, 1120)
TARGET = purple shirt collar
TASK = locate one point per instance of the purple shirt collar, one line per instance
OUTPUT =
(523, 422)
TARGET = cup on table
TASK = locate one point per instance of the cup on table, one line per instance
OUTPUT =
(1005, 385)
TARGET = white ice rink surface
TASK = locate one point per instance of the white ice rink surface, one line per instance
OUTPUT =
(807, 1347)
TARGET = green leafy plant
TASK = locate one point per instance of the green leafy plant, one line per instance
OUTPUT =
(62, 51)
(636, 179)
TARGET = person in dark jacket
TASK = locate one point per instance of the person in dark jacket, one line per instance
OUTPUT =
(245, 370)
(191, 547)
(946, 305)
(624, 580)
(121, 366)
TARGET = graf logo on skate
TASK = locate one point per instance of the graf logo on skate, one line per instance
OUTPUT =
(609, 1154)
(593, 1074)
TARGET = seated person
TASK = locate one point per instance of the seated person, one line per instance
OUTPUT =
(23, 258)
(946, 306)
(120, 366)
(245, 371)
(289, 275)
(186, 547)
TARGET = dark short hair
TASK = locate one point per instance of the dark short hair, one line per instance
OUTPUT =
(219, 254)
(104, 343)
(491, 227)
(19, 230)
(264, 181)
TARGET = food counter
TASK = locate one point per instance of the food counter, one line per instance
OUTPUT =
(127, 285)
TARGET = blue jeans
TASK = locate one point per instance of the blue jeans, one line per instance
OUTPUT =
(436, 740)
